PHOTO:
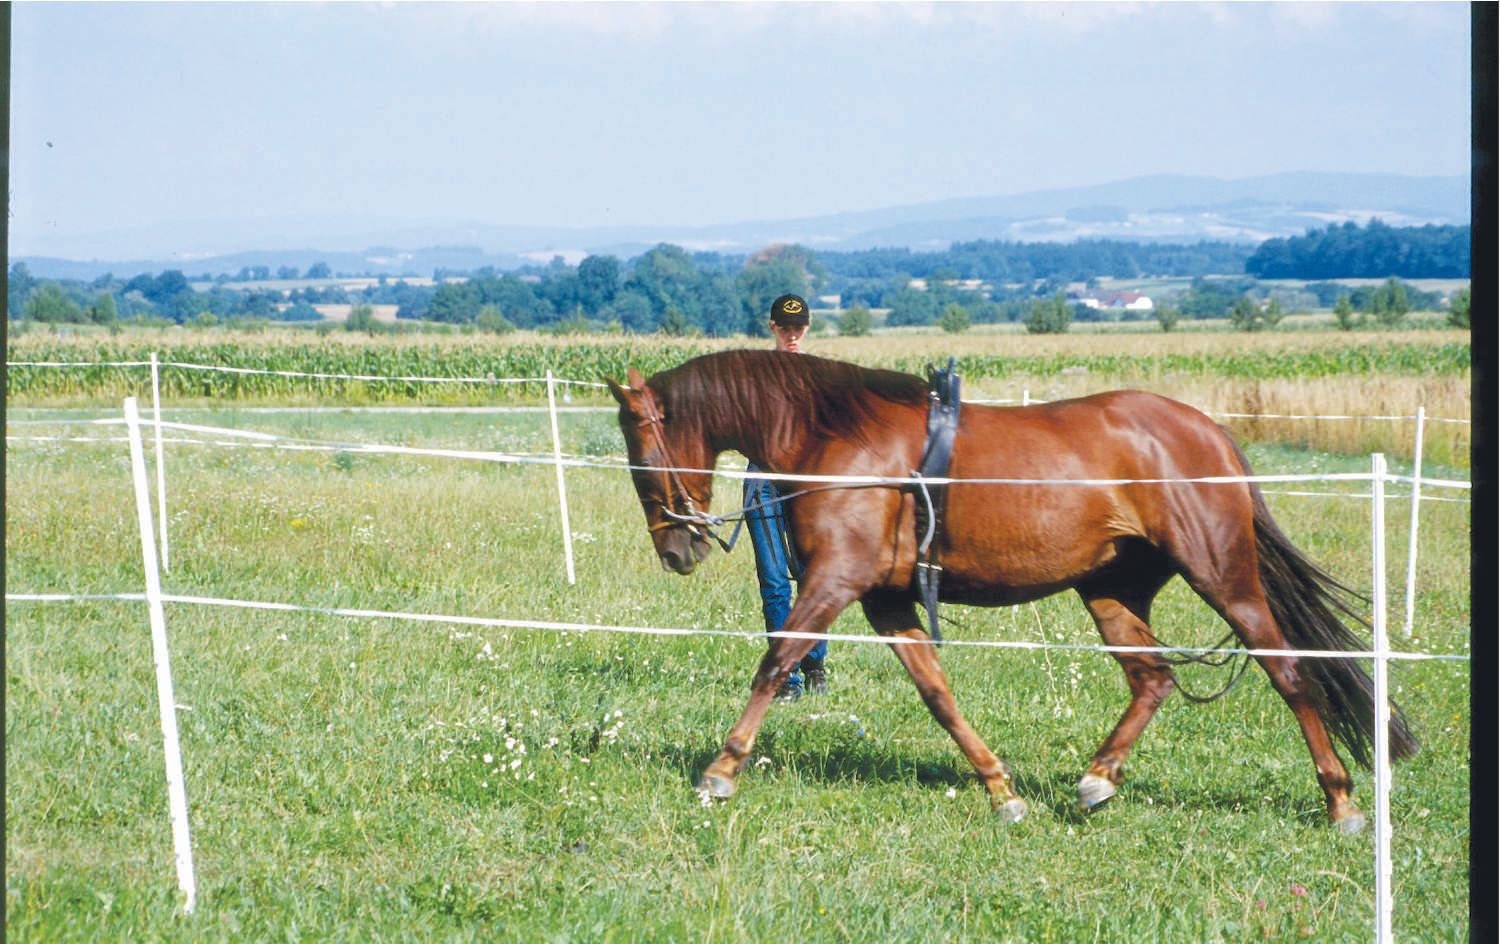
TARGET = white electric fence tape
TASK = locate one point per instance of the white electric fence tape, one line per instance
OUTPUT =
(1026, 399)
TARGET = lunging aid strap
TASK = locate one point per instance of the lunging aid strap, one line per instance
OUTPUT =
(942, 425)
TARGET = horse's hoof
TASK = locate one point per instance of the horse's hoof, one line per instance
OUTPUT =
(1352, 825)
(1093, 792)
(716, 786)
(1012, 810)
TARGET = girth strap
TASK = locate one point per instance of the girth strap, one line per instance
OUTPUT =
(942, 427)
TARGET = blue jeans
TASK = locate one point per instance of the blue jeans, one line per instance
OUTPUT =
(769, 537)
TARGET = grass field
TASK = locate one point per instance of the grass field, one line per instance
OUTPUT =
(371, 779)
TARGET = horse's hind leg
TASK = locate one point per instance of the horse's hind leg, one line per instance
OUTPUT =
(1122, 609)
(896, 617)
(1233, 589)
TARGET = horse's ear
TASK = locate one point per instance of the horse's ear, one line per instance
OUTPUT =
(621, 394)
(634, 378)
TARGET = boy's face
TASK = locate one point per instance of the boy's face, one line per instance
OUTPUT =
(788, 337)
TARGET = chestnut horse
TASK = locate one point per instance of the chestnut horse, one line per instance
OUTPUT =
(1116, 540)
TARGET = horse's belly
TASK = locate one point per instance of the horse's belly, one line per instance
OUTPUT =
(1007, 565)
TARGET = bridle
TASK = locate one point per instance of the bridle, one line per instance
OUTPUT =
(701, 523)
(690, 517)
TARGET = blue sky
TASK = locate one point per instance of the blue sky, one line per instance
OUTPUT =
(134, 115)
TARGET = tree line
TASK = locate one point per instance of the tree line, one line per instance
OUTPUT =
(670, 290)
(1345, 251)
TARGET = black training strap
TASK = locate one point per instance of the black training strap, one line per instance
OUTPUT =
(942, 426)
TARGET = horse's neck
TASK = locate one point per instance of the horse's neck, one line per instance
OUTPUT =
(770, 449)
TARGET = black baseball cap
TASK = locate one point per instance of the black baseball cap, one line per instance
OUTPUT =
(790, 311)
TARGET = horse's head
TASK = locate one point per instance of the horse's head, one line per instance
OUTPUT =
(674, 501)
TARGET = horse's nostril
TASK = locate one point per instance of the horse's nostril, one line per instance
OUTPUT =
(676, 562)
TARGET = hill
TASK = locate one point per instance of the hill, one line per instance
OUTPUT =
(1163, 208)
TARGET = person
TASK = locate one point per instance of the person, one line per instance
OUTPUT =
(775, 557)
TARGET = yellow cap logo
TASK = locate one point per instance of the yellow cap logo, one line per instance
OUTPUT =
(791, 306)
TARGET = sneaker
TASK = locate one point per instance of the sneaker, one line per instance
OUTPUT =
(788, 693)
(817, 679)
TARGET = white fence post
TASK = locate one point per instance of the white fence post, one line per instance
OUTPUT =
(1411, 548)
(161, 466)
(1382, 717)
(562, 491)
(182, 843)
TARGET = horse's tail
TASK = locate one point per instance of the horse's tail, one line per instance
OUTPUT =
(1306, 603)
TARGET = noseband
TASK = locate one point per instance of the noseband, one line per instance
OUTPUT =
(690, 518)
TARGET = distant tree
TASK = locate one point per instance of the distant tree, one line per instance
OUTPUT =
(1344, 314)
(1390, 303)
(259, 305)
(286, 273)
(598, 282)
(633, 311)
(50, 305)
(760, 283)
(19, 287)
(1212, 298)
(560, 290)
(1049, 315)
(454, 303)
(720, 311)
(666, 276)
(1327, 293)
(301, 311)
(361, 318)
(167, 287)
(1167, 315)
(674, 323)
(954, 319)
(1374, 251)
(520, 302)
(490, 319)
(813, 272)
(102, 311)
(1458, 309)
(910, 306)
(855, 322)
(575, 323)
(1245, 314)
(319, 270)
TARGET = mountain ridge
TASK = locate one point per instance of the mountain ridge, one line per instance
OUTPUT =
(1172, 208)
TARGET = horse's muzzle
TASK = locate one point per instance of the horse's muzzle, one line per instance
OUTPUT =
(682, 552)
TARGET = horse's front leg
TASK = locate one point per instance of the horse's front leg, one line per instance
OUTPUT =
(895, 616)
(814, 611)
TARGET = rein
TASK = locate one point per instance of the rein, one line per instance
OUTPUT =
(708, 522)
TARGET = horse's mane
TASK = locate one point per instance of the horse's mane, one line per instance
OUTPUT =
(780, 396)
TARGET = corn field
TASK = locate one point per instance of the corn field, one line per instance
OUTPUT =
(1326, 373)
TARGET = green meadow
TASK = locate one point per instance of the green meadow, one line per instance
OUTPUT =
(385, 779)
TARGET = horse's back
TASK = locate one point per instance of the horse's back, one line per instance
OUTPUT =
(1115, 435)
(1026, 536)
